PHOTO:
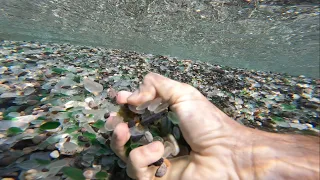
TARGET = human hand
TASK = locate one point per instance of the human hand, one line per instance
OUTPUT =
(219, 144)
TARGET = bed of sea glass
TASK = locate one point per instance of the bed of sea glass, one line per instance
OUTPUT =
(57, 106)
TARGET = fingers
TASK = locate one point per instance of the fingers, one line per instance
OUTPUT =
(155, 85)
(119, 138)
(141, 157)
(122, 97)
(145, 93)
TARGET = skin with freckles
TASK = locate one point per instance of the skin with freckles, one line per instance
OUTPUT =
(221, 148)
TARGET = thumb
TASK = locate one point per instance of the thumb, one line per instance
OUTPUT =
(140, 158)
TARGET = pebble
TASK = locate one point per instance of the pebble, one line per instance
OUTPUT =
(30, 174)
(39, 138)
(54, 154)
(121, 164)
(148, 136)
(83, 139)
(283, 124)
(256, 85)
(259, 123)
(316, 100)
(295, 121)
(159, 162)
(2, 135)
(51, 147)
(299, 126)
(28, 150)
(88, 174)
(7, 161)
(176, 132)
(296, 96)
(309, 125)
(162, 170)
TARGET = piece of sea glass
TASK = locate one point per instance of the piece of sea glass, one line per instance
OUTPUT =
(158, 138)
(173, 117)
(92, 86)
(176, 132)
(162, 107)
(144, 105)
(133, 109)
(154, 104)
(136, 131)
(168, 149)
(112, 122)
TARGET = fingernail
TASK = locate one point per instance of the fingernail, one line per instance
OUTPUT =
(153, 147)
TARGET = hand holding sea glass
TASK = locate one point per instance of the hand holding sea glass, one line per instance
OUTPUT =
(211, 134)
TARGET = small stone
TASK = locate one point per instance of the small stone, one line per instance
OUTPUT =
(54, 154)
(258, 123)
(136, 138)
(256, 85)
(7, 160)
(316, 100)
(121, 164)
(162, 170)
(148, 136)
(83, 139)
(88, 174)
(31, 174)
(51, 147)
(2, 135)
(68, 148)
(238, 101)
(283, 124)
(107, 160)
(93, 105)
(44, 170)
(296, 121)
(39, 138)
(309, 125)
(295, 96)
(131, 123)
(106, 115)
(159, 162)
(158, 138)
(29, 150)
(176, 132)
(299, 126)
(112, 93)
(112, 122)
(31, 171)
(29, 90)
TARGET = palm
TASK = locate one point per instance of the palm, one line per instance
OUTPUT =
(209, 132)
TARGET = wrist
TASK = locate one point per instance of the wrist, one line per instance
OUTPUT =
(278, 156)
